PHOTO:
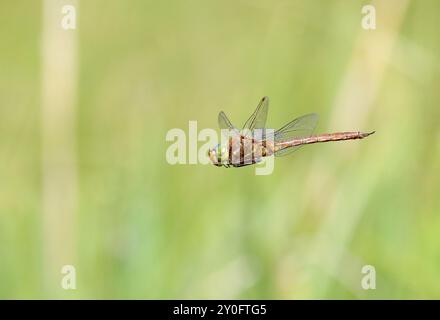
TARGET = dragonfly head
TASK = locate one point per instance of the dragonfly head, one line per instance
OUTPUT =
(218, 156)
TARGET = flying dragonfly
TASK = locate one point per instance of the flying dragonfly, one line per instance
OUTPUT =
(254, 142)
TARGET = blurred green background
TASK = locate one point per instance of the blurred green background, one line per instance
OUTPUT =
(83, 175)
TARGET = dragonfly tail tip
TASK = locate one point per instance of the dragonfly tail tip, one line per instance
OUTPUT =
(367, 134)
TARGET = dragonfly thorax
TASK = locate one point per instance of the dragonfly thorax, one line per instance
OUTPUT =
(240, 151)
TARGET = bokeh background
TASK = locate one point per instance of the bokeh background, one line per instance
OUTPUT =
(83, 175)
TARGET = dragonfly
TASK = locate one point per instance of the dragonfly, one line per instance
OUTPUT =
(254, 142)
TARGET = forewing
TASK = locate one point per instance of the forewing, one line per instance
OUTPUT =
(258, 119)
(225, 124)
(299, 128)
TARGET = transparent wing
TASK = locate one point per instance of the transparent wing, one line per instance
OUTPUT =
(299, 128)
(258, 119)
(225, 124)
